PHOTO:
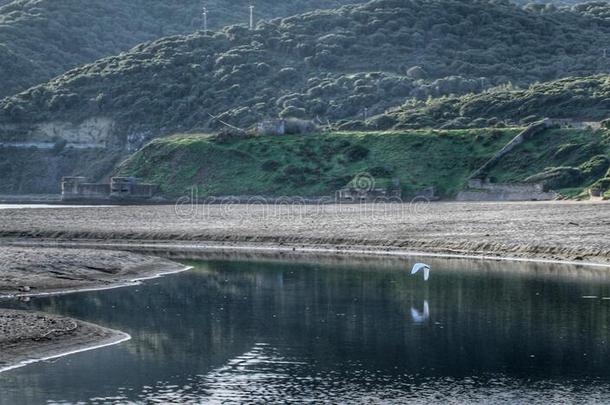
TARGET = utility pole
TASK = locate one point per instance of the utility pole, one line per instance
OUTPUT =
(205, 18)
(251, 16)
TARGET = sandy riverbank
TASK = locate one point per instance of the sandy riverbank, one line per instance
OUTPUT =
(549, 231)
(25, 271)
(26, 337)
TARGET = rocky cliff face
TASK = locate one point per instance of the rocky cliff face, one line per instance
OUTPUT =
(94, 131)
(39, 171)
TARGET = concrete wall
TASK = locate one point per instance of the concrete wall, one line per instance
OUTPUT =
(144, 190)
(480, 195)
(76, 188)
(486, 185)
(93, 190)
(271, 127)
(483, 190)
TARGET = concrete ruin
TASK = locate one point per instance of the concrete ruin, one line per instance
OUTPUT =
(351, 194)
(571, 123)
(271, 127)
(428, 193)
(119, 189)
(485, 190)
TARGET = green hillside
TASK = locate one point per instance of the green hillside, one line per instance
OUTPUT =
(327, 64)
(40, 39)
(563, 159)
(316, 165)
(580, 99)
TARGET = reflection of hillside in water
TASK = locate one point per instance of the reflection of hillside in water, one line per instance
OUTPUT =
(478, 320)
(343, 321)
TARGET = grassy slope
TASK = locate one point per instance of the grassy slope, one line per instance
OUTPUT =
(40, 39)
(567, 148)
(320, 164)
(340, 61)
(314, 165)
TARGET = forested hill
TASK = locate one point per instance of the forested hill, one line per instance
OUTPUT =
(327, 64)
(579, 99)
(40, 39)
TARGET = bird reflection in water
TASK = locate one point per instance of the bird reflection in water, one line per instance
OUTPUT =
(420, 317)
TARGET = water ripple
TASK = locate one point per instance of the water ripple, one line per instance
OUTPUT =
(263, 375)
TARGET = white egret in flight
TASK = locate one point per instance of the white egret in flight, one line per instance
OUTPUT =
(418, 266)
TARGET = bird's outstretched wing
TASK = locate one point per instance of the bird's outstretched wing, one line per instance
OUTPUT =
(419, 266)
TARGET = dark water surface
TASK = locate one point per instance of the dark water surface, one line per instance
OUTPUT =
(364, 332)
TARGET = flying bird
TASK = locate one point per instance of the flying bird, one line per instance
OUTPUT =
(418, 266)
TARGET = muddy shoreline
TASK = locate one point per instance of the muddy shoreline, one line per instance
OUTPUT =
(27, 337)
(31, 271)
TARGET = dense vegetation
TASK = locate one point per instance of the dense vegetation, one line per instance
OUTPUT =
(315, 165)
(332, 65)
(563, 159)
(40, 39)
(580, 99)
(566, 160)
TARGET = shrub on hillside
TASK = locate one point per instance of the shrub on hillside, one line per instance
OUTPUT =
(558, 177)
(293, 112)
(288, 73)
(296, 126)
(270, 165)
(352, 126)
(230, 134)
(417, 72)
(356, 153)
(381, 171)
(595, 167)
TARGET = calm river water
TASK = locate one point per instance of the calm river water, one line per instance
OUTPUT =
(358, 332)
